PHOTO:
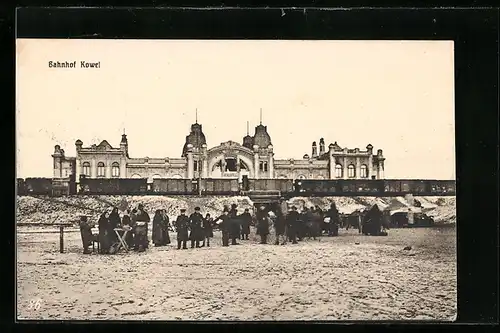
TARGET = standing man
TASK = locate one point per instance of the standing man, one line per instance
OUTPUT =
(142, 218)
(280, 227)
(224, 226)
(86, 232)
(196, 226)
(333, 214)
(302, 226)
(181, 225)
(245, 219)
(262, 224)
(234, 224)
(292, 224)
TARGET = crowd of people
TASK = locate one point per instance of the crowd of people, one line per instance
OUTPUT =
(289, 225)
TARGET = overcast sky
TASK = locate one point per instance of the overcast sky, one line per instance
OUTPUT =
(398, 96)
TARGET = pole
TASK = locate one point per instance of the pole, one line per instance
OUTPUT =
(61, 239)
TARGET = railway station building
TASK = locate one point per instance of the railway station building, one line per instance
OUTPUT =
(254, 157)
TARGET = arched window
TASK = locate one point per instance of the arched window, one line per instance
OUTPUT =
(301, 177)
(338, 171)
(115, 170)
(136, 176)
(100, 169)
(86, 169)
(320, 177)
(351, 171)
(364, 171)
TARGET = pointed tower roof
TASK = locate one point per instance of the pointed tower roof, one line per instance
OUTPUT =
(196, 137)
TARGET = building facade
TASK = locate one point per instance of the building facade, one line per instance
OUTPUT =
(254, 158)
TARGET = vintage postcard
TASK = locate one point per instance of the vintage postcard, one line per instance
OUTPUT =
(235, 180)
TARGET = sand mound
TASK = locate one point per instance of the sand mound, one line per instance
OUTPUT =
(68, 209)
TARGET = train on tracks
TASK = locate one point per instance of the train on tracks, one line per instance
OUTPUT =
(286, 187)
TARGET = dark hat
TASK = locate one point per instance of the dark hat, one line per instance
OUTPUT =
(294, 208)
(183, 210)
(234, 205)
(196, 208)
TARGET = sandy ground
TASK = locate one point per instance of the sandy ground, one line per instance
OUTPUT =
(331, 279)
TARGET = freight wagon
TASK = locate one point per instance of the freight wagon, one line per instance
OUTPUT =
(113, 186)
(172, 186)
(21, 187)
(216, 186)
(282, 185)
(38, 186)
(339, 187)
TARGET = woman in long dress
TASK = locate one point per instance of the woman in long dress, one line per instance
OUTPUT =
(104, 241)
(158, 239)
(207, 230)
(114, 222)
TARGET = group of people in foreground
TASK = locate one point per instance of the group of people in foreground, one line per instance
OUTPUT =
(289, 226)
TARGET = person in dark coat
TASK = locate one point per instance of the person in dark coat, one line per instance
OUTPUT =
(333, 225)
(246, 220)
(104, 242)
(262, 224)
(141, 238)
(292, 224)
(234, 224)
(372, 222)
(196, 227)
(224, 226)
(86, 233)
(208, 231)
(182, 226)
(280, 228)
(322, 225)
(302, 225)
(114, 222)
(158, 235)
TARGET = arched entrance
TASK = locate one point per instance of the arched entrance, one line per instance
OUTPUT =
(230, 160)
